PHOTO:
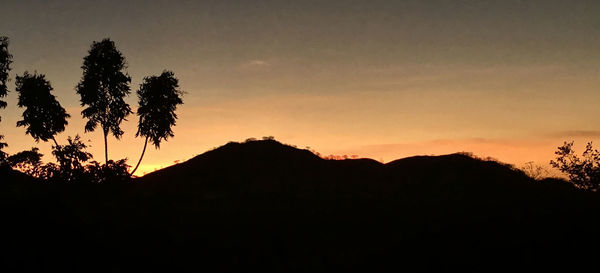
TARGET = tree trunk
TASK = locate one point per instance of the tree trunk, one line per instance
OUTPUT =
(105, 148)
(55, 143)
(142, 156)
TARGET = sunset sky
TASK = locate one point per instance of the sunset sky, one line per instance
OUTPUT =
(379, 79)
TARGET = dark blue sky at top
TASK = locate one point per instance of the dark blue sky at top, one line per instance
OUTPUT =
(368, 32)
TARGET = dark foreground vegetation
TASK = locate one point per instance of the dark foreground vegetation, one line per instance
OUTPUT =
(267, 206)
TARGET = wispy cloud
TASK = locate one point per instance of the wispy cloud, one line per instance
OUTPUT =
(254, 63)
(257, 62)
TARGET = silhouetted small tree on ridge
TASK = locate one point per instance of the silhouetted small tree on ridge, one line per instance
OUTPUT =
(158, 99)
(534, 171)
(583, 172)
(103, 88)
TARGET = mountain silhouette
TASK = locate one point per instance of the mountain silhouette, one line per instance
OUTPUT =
(269, 166)
(269, 206)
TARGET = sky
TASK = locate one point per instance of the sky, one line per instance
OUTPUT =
(511, 80)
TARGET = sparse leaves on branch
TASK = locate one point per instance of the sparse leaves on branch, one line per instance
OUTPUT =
(534, 171)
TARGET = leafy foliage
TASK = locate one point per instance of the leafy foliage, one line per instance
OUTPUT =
(3, 155)
(158, 100)
(71, 158)
(583, 172)
(29, 162)
(111, 172)
(74, 165)
(5, 61)
(44, 117)
(103, 88)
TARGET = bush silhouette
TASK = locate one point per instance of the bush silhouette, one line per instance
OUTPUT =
(74, 165)
(111, 172)
(71, 159)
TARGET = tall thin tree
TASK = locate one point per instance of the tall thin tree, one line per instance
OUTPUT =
(43, 117)
(158, 99)
(103, 88)
(5, 61)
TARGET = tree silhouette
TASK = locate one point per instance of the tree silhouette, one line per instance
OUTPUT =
(3, 155)
(583, 172)
(5, 61)
(158, 99)
(103, 88)
(44, 117)
(28, 161)
(111, 172)
(71, 158)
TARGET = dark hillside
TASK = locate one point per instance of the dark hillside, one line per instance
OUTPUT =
(268, 206)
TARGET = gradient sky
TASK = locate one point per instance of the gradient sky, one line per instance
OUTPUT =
(380, 79)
